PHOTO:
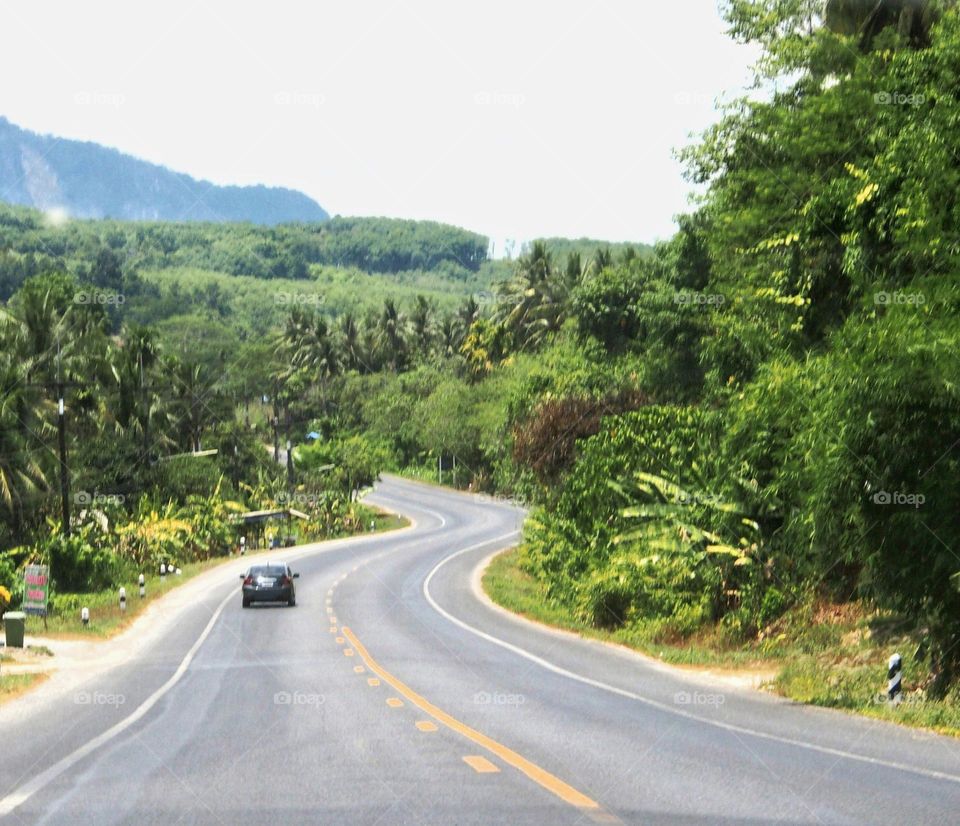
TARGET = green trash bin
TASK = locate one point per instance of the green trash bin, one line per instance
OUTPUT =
(13, 623)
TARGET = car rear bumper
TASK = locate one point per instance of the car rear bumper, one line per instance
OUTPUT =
(284, 594)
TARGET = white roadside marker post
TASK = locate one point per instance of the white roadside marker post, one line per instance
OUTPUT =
(894, 677)
(163, 572)
(123, 600)
(143, 586)
(85, 616)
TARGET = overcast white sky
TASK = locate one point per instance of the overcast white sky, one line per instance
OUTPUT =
(513, 119)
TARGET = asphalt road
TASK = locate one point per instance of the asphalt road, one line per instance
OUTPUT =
(393, 694)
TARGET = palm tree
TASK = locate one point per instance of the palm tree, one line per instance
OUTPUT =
(391, 335)
(312, 347)
(369, 349)
(197, 403)
(137, 409)
(450, 336)
(23, 429)
(350, 340)
(422, 320)
(468, 313)
(602, 259)
(535, 302)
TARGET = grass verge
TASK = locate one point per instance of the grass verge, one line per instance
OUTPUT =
(820, 654)
(13, 685)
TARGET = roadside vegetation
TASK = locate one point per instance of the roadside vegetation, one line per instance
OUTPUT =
(13, 685)
(822, 653)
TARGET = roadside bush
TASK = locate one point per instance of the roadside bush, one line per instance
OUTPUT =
(572, 543)
(9, 572)
(79, 562)
(155, 535)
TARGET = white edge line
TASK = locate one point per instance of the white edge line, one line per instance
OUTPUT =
(27, 790)
(521, 652)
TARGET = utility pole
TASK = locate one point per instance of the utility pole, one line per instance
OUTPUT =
(276, 427)
(62, 444)
(290, 465)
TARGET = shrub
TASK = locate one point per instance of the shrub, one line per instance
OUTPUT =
(79, 562)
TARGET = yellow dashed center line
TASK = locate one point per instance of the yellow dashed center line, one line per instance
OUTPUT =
(347, 652)
(480, 764)
(394, 702)
(340, 640)
(373, 681)
(426, 725)
(333, 629)
(358, 669)
(540, 776)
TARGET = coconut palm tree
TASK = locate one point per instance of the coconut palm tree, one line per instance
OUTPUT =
(312, 348)
(422, 323)
(197, 403)
(535, 302)
(468, 312)
(350, 342)
(449, 336)
(24, 429)
(135, 407)
(392, 335)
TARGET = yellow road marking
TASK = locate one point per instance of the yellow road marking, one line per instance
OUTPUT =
(340, 640)
(426, 725)
(538, 775)
(358, 669)
(373, 681)
(394, 702)
(333, 629)
(329, 610)
(480, 764)
(333, 619)
(347, 652)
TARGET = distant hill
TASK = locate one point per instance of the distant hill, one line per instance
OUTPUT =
(587, 247)
(87, 180)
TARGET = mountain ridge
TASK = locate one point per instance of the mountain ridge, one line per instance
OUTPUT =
(88, 180)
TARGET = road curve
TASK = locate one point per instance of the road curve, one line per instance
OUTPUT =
(393, 694)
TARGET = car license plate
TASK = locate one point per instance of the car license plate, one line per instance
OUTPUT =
(267, 583)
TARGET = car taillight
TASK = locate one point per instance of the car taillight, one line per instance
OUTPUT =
(285, 580)
(248, 581)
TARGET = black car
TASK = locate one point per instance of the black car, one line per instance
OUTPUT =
(270, 582)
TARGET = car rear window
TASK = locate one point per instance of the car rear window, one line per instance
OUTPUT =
(268, 570)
